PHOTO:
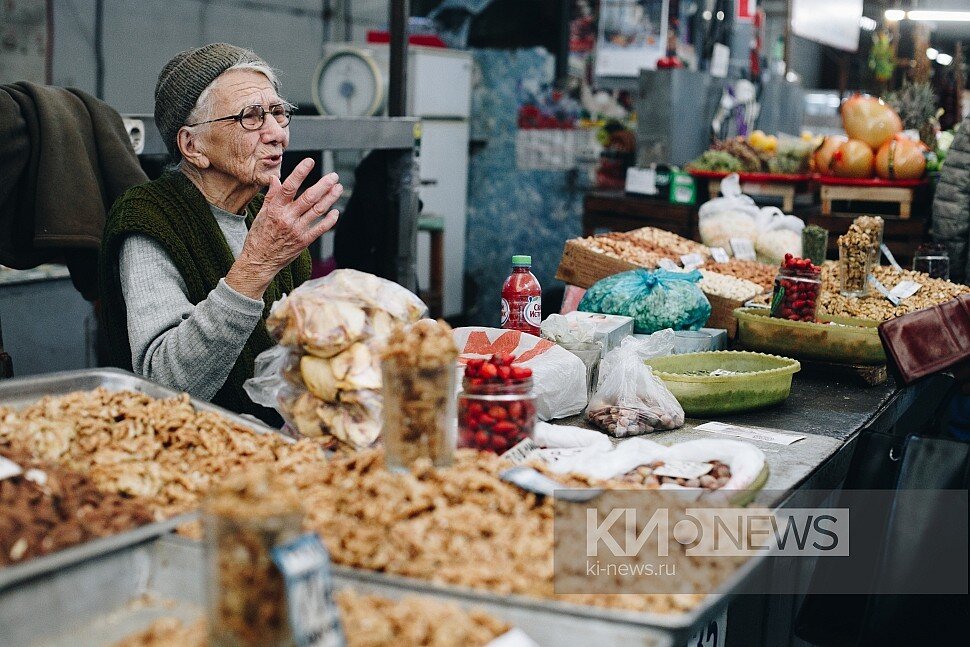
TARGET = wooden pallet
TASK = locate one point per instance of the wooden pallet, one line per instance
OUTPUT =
(903, 196)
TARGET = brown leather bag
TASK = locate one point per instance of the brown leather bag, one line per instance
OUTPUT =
(928, 341)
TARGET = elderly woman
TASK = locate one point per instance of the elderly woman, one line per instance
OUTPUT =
(192, 261)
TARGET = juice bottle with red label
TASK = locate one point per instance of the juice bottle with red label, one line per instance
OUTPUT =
(522, 298)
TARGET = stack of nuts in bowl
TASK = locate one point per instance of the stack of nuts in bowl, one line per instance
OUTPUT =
(797, 289)
(496, 409)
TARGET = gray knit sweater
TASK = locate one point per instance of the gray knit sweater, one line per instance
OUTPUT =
(186, 347)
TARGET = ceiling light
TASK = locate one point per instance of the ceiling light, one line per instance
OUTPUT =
(944, 59)
(720, 15)
(895, 15)
(867, 23)
(938, 16)
(931, 53)
(706, 15)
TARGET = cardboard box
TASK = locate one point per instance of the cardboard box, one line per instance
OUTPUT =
(610, 329)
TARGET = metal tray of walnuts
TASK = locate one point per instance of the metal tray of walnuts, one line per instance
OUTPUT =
(166, 578)
(20, 392)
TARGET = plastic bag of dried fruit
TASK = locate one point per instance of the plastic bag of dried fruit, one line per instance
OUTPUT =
(558, 376)
(630, 399)
(324, 377)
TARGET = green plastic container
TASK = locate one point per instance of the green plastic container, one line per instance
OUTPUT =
(759, 381)
(855, 341)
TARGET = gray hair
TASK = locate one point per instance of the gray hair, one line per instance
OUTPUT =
(204, 108)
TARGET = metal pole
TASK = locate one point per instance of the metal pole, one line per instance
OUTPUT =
(397, 90)
(787, 37)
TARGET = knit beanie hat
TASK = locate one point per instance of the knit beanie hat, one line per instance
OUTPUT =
(184, 78)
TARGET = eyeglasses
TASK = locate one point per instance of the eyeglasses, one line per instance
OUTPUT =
(252, 117)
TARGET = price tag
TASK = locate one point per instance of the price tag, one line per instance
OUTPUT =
(683, 469)
(314, 618)
(905, 289)
(692, 261)
(669, 265)
(743, 249)
(522, 452)
(889, 257)
(9, 469)
(765, 435)
(720, 256)
(881, 289)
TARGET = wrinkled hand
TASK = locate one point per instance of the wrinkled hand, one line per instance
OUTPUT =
(284, 227)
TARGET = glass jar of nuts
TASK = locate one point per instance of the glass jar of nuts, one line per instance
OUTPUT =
(855, 263)
(244, 519)
(418, 371)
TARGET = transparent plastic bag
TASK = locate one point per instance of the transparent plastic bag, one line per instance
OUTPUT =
(655, 299)
(732, 216)
(778, 234)
(324, 377)
(630, 399)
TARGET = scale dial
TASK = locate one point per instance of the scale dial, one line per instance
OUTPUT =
(348, 83)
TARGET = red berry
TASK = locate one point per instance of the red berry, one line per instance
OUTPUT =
(515, 410)
(481, 439)
(500, 444)
(485, 420)
(489, 371)
(497, 412)
(505, 427)
(504, 371)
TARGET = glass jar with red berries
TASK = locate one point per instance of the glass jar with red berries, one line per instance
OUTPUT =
(496, 407)
(797, 289)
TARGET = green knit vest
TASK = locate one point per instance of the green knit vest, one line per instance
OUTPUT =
(172, 211)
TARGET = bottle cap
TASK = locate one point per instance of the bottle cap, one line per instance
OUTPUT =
(522, 260)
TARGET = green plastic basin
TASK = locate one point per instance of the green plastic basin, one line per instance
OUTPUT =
(759, 380)
(854, 341)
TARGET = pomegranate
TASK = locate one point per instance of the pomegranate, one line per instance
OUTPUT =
(870, 120)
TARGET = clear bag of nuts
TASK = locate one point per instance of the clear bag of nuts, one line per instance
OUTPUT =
(245, 517)
(418, 368)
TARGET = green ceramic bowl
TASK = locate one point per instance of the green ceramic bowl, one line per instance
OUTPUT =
(757, 380)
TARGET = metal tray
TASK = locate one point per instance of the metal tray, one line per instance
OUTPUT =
(164, 578)
(20, 392)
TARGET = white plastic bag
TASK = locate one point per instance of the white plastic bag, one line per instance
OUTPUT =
(732, 216)
(658, 344)
(778, 235)
(630, 399)
(558, 376)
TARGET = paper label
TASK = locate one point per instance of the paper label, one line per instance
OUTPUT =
(720, 256)
(9, 469)
(720, 57)
(905, 289)
(514, 637)
(522, 452)
(876, 283)
(314, 618)
(764, 435)
(889, 257)
(669, 265)
(743, 249)
(533, 311)
(692, 261)
(683, 469)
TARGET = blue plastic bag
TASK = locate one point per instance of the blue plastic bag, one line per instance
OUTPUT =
(656, 299)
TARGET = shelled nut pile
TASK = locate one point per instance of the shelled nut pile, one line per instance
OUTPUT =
(761, 274)
(875, 306)
(367, 620)
(728, 287)
(162, 450)
(644, 475)
(460, 526)
(48, 508)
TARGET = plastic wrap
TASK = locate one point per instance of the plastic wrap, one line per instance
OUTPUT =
(778, 235)
(630, 400)
(655, 299)
(324, 377)
(732, 216)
